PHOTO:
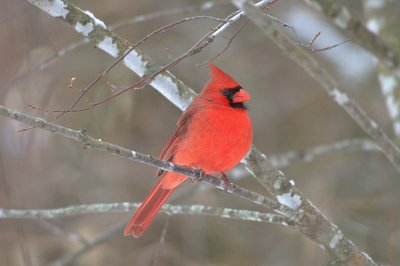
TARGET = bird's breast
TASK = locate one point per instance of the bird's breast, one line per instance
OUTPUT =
(216, 140)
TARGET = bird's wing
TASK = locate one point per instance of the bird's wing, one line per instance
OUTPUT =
(182, 127)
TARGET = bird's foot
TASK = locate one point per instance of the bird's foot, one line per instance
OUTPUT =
(199, 170)
(225, 179)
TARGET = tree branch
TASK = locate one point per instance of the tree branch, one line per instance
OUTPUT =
(388, 59)
(226, 213)
(86, 23)
(313, 224)
(169, 209)
(101, 238)
(118, 25)
(327, 82)
(343, 18)
(287, 158)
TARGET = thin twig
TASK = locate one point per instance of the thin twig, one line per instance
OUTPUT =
(196, 48)
(137, 62)
(344, 19)
(58, 231)
(288, 158)
(137, 19)
(203, 42)
(169, 209)
(161, 241)
(168, 12)
(126, 53)
(308, 46)
(103, 237)
(142, 82)
(226, 46)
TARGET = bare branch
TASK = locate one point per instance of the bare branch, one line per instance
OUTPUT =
(323, 231)
(343, 18)
(381, 24)
(287, 158)
(103, 237)
(313, 224)
(388, 59)
(327, 82)
(93, 28)
(168, 12)
(140, 18)
(309, 46)
(227, 45)
(129, 52)
(196, 48)
(161, 242)
(140, 83)
(58, 231)
(169, 209)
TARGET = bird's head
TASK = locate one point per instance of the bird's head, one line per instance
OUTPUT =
(222, 88)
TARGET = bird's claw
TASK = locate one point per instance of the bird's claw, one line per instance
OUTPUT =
(200, 171)
(225, 179)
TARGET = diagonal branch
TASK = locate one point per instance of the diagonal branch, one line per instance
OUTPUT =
(327, 82)
(118, 25)
(85, 23)
(147, 79)
(163, 81)
(101, 238)
(343, 18)
(313, 224)
(372, 39)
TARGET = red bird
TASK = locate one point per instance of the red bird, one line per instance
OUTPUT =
(213, 134)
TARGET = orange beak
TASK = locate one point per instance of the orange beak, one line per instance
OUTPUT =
(241, 97)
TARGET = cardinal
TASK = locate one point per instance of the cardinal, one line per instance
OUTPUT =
(213, 134)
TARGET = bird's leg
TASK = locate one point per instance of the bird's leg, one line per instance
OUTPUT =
(202, 173)
(225, 178)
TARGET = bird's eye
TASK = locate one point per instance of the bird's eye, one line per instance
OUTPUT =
(230, 92)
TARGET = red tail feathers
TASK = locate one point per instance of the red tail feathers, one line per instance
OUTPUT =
(150, 206)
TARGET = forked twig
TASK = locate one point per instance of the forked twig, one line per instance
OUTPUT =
(134, 46)
(226, 46)
(101, 238)
(203, 42)
(140, 18)
(308, 46)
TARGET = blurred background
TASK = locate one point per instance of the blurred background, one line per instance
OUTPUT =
(357, 190)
